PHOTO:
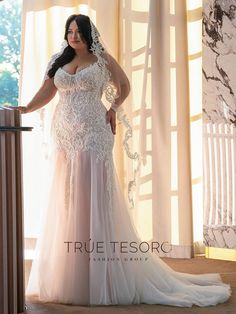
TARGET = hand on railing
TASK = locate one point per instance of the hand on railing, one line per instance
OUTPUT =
(21, 109)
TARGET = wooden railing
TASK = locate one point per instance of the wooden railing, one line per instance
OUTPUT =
(11, 213)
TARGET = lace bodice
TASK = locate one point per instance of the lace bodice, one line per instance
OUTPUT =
(79, 121)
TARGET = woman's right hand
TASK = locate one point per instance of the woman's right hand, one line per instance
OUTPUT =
(22, 109)
(45, 94)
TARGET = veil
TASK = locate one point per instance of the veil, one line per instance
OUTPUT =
(112, 89)
(115, 82)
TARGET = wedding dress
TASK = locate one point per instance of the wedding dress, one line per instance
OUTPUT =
(89, 251)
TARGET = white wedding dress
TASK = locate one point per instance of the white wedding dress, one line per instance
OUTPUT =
(86, 206)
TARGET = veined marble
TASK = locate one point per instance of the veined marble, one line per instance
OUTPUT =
(219, 115)
(219, 60)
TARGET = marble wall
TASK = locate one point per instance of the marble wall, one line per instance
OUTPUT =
(219, 122)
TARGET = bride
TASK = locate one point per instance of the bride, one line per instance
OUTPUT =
(89, 252)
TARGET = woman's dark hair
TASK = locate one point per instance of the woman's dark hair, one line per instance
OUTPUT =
(84, 27)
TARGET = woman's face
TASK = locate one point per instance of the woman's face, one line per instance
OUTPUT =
(74, 38)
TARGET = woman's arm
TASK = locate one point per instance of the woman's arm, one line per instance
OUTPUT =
(122, 86)
(46, 93)
(120, 81)
(124, 92)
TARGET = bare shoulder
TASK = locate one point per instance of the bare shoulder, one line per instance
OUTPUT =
(48, 84)
(108, 57)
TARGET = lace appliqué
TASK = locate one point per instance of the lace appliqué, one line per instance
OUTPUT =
(134, 156)
(98, 50)
(79, 122)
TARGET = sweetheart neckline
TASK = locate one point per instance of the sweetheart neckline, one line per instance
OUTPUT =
(78, 71)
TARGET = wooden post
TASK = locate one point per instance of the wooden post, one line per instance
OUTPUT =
(11, 213)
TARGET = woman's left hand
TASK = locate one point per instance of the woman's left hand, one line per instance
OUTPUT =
(111, 118)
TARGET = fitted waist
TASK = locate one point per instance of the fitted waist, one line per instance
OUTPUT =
(80, 95)
(78, 111)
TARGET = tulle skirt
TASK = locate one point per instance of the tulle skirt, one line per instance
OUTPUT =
(89, 252)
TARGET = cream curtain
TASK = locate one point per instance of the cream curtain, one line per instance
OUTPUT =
(152, 39)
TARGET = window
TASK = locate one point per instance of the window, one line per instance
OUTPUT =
(10, 35)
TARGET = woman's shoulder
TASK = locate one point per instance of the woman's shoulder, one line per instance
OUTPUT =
(54, 57)
(110, 60)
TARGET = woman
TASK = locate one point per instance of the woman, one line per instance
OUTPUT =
(89, 252)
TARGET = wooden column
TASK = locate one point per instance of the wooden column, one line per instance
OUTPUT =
(11, 213)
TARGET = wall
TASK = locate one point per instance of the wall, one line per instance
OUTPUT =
(219, 122)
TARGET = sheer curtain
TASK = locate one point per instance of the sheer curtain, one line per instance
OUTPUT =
(152, 41)
(165, 65)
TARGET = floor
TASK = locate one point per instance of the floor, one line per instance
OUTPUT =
(196, 265)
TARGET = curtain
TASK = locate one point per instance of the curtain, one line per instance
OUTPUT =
(165, 65)
(152, 40)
